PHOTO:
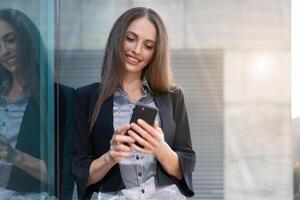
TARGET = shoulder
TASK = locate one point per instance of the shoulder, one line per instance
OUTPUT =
(176, 96)
(64, 91)
(176, 92)
(65, 88)
(87, 95)
(66, 96)
(89, 90)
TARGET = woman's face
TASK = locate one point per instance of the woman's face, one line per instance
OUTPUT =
(8, 47)
(139, 45)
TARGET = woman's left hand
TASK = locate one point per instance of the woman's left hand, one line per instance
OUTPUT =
(153, 142)
(150, 137)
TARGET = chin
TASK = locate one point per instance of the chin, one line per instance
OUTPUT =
(11, 69)
(133, 69)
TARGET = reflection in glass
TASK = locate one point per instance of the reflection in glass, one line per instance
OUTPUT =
(23, 125)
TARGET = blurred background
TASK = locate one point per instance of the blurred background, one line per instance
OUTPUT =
(233, 60)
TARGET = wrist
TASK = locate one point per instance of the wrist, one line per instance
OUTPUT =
(109, 159)
(163, 151)
(16, 157)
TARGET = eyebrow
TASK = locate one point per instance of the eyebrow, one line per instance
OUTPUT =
(148, 40)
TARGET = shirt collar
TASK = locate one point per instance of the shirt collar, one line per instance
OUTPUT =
(4, 87)
(146, 85)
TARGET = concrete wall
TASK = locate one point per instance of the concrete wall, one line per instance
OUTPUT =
(192, 24)
(258, 142)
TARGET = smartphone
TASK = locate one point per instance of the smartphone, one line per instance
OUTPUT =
(145, 113)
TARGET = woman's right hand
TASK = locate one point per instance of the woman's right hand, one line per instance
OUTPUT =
(7, 152)
(119, 149)
(120, 145)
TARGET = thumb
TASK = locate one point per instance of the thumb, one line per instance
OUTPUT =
(155, 125)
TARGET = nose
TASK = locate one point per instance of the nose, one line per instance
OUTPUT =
(137, 47)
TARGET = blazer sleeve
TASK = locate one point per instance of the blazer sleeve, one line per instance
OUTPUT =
(83, 146)
(182, 144)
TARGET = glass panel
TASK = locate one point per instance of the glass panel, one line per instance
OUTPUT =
(27, 99)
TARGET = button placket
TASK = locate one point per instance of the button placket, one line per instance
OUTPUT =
(139, 167)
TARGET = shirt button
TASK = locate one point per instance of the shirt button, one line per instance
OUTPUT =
(140, 174)
(143, 191)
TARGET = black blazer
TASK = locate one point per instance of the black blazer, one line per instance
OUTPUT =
(28, 141)
(88, 147)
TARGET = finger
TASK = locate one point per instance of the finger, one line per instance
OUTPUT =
(146, 127)
(116, 154)
(155, 126)
(139, 139)
(142, 150)
(143, 133)
(123, 139)
(115, 139)
(122, 130)
(122, 148)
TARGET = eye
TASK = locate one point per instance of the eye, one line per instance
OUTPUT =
(149, 46)
(129, 38)
(11, 39)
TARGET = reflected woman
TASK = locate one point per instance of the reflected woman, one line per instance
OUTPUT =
(23, 132)
(22, 168)
(135, 71)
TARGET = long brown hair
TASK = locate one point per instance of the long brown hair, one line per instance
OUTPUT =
(157, 72)
(31, 51)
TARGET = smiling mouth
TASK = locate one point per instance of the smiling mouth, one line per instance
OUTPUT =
(133, 60)
(11, 61)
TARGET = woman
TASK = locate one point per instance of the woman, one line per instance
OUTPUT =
(135, 71)
(23, 121)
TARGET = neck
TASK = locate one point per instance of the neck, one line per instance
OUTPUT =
(132, 82)
(132, 85)
(15, 90)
